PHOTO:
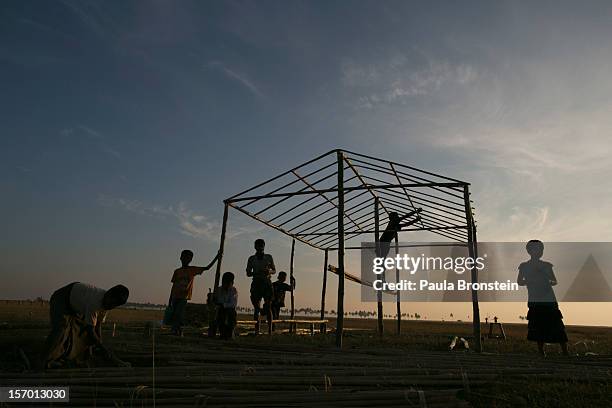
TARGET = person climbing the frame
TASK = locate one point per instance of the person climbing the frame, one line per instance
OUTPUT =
(182, 288)
(545, 319)
(260, 267)
(393, 227)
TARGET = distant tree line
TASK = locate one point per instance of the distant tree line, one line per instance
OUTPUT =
(308, 311)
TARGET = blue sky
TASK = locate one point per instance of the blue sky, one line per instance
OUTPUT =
(125, 124)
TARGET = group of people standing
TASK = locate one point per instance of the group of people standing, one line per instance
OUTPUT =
(77, 310)
(260, 267)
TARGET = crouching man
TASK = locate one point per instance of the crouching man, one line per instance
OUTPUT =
(77, 312)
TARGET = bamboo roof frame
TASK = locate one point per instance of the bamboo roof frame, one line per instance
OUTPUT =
(326, 202)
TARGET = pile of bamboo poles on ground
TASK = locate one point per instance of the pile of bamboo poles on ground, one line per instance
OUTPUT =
(211, 373)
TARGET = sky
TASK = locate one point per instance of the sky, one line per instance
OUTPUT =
(124, 125)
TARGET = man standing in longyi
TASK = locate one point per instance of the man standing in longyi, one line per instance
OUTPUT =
(260, 267)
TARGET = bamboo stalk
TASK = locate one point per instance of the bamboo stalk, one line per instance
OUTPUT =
(340, 307)
(291, 278)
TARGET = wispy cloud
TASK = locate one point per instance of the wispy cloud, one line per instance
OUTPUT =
(396, 81)
(546, 179)
(236, 76)
(98, 139)
(188, 221)
(566, 142)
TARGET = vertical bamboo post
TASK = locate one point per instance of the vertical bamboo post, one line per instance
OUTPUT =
(397, 293)
(472, 250)
(324, 288)
(221, 246)
(379, 303)
(291, 278)
(153, 363)
(340, 307)
(212, 328)
(476, 307)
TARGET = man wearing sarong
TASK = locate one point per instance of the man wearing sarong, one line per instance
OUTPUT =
(260, 267)
(545, 319)
(77, 312)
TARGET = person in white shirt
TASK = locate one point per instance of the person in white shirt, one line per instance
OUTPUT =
(76, 312)
(227, 300)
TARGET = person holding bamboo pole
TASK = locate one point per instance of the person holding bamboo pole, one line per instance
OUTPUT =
(260, 267)
(182, 288)
(280, 288)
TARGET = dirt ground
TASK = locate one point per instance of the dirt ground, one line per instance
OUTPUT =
(415, 368)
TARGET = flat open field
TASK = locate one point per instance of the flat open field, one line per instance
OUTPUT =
(288, 370)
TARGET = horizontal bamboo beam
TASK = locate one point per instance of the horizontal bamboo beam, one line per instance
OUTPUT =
(273, 226)
(401, 246)
(350, 153)
(282, 174)
(356, 188)
(372, 231)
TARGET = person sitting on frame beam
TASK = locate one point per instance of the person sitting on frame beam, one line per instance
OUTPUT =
(393, 227)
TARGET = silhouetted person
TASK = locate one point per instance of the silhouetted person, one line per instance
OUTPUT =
(182, 288)
(545, 319)
(280, 288)
(260, 267)
(77, 312)
(393, 227)
(227, 300)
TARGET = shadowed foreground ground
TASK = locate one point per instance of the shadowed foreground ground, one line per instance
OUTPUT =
(415, 369)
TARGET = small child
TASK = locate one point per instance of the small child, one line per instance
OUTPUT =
(280, 287)
(227, 300)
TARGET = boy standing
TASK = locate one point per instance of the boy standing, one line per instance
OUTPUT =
(182, 288)
(280, 288)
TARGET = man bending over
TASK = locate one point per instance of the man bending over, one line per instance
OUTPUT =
(77, 312)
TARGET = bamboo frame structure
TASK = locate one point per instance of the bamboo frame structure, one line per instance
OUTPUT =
(326, 203)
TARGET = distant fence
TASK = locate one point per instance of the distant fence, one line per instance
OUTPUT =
(38, 302)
